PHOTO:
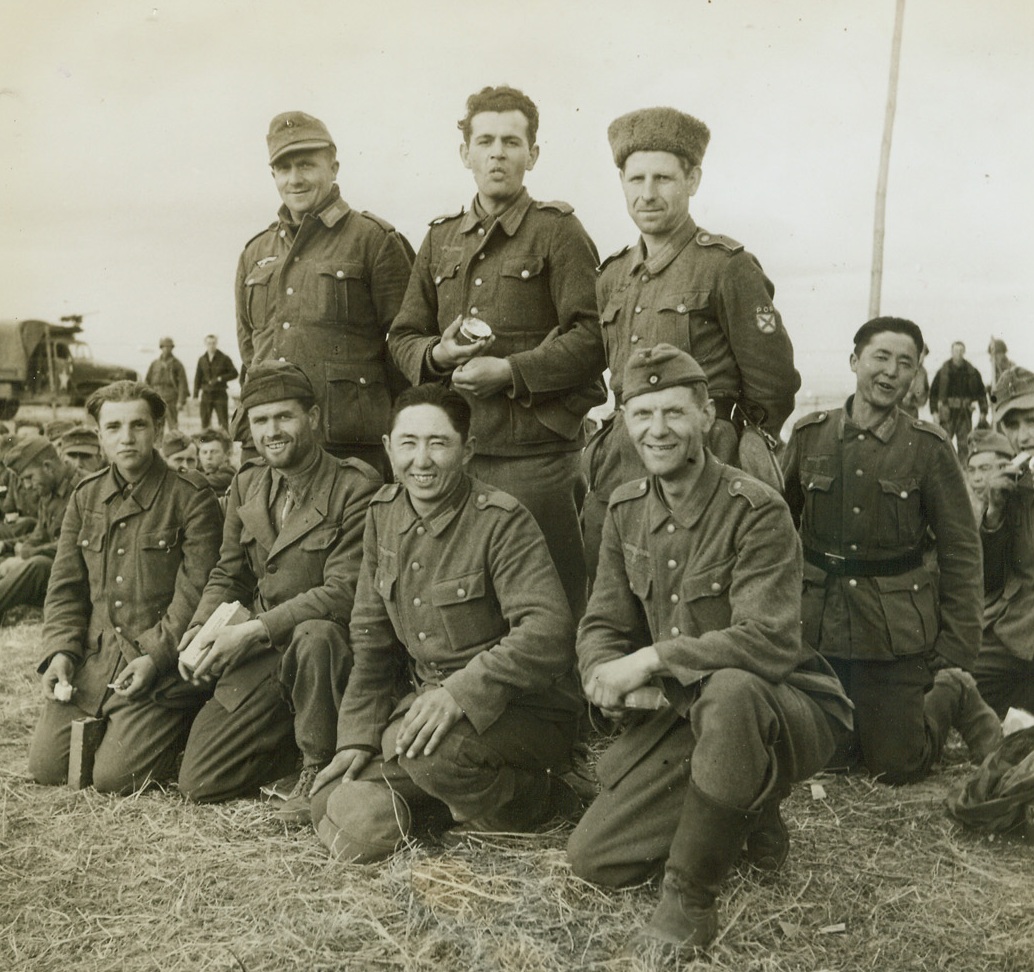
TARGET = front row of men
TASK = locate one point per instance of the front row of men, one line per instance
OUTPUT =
(422, 671)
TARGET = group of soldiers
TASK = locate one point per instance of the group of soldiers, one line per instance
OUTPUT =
(416, 657)
(215, 370)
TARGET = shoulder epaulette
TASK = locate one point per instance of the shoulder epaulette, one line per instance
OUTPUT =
(496, 498)
(89, 478)
(558, 204)
(251, 463)
(262, 232)
(196, 479)
(387, 493)
(812, 418)
(703, 238)
(438, 220)
(382, 223)
(363, 467)
(924, 426)
(636, 489)
(754, 492)
(613, 257)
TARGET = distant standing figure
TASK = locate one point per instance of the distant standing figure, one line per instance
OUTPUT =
(168, 377)
(954, 390)
(214, 370)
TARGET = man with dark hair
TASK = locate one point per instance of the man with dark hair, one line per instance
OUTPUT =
(697, 597)
(290, 554)
(458, 596)
(699, 291)
(167, 376)
(136, 546)
(868, 485)
(320, 287)
(955, 387)
(527, 270)
(214, 371)
(23, 577)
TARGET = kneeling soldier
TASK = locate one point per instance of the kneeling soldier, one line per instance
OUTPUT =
(698, 593)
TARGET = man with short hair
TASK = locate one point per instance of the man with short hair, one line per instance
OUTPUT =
(1005, 666)
(989, 452)
(458, 596)
(17, 504)
(167, 376)
(179, 450)
(81, 447)
(214, 371)
(136, 547)
(868, 485)
(213, 457)
(290, 554)
(697, 601)
(699, 291)
(23, 577)
(527, 269)
(955, 387)
(320, 288)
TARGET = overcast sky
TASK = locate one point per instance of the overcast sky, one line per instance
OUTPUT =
(134, 153)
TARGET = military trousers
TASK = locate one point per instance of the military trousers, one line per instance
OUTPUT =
(171, 398)
(25, 582)
(552, 488)
(142, 741)
(1005, 680)
(209, 403)
(743, 741)
(958, 423)
(275, 705)
(498, 778)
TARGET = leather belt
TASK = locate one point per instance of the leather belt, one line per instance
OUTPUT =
(846, 567)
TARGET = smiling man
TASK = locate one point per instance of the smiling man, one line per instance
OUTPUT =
(320, 286)
(459, 601)
(527, 269)
(136, 546)
(290, 554)
(696, 290)
(869, 486)
(698, 594)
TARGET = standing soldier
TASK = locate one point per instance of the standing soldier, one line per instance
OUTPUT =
(699, 291)
(320, 286)
(168, 377)
(956, 386)
(868, 484)
(527, 269)
(214, 370)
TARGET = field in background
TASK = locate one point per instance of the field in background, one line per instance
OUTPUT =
(878, 878)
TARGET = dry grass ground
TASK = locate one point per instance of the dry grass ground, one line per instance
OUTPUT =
(877, 879)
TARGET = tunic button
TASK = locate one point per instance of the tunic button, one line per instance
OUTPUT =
(716, 587)
(705, 237)
(118, 580)
(904, 494)
(118, 604)
(642, 485)
(681, 309)
(635, 338)
(482, 498)
(271, 569)
(84, 543)
(120, 551)
(481, 256)
(281, 360)
(859, 472)
(122, 525)
(645, 277)
(290, 291)
(420, 531)
(437, 280)
(671, 528)
(672, 564)
(477, 281)
(481, 231)
(856, 509)
(296, 260)
(362, 381)
(161, 543)
(525, 275)
(861, 436)
(340, 274)
(675, 631)
(474, 311)
(417, 602)
(283, 233)
(414, 566)
(674, 599)
(286, 325)
(854, 546)
(638, 310)
(852, 583)
(460, 592)
(118, 629)
(915, 587)
(421, 636)
(736, 484)
(653, 379)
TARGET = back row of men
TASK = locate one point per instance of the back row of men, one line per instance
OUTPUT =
(413, 646)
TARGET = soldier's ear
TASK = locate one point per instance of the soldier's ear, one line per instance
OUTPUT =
(854, 362)
(468, 449)
(465, 154)
(533, 157)
(695, 175)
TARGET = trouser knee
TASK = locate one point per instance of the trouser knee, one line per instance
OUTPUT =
(361, 821)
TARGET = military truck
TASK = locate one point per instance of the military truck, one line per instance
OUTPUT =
(48, 364)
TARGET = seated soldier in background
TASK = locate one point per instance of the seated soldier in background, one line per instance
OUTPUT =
(23, 577)
(290, 553)
(213, 457)
(136, 546)
(698, 593)
(989, 452)
(459, 598)
(17, 504)
(179, 450)
(80, 446)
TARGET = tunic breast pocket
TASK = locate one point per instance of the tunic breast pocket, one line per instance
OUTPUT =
(91, 545)
(160, 556)
(819, 509)
(705, 599)
(256, 295)
(678, 320)
(338, 287)
(523, 296)
(900, 521)
(469, 612)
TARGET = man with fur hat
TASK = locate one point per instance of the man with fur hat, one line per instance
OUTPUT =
(23, 577)
(292, 544)
(320, 287)
(137, 544)
(167, 376)
(698, 595)
(1005, 667)
(701, 292)
(869, 486)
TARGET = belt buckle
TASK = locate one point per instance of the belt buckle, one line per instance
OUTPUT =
(834, 562)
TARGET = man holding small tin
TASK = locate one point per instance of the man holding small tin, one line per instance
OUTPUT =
(525, 269)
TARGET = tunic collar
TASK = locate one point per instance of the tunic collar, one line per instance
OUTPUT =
(333, 211)
(509, 220)
(883, 431)
(443, 515)
(690, 509)
(676, 243)
(143, 492)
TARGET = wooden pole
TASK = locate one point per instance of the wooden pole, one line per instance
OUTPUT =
(876, 283)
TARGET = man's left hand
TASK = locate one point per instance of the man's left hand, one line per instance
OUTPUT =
(229, 646)
(483, 376)
(136, 678)
(427, 722)
(608, 683)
